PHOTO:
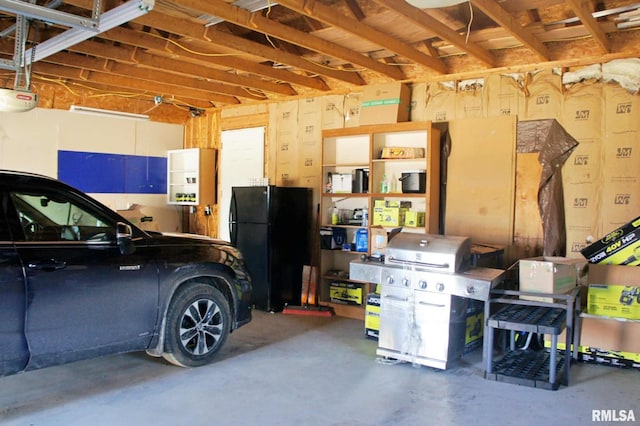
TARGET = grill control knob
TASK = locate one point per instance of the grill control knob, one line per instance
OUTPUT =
(440, 287)
(422, 284)
(471, 289)
(405, 282)
(390, 279)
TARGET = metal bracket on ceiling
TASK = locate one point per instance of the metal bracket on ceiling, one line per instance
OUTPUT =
(47, 14)
(81, 28)
(23, 76)
(108, 20)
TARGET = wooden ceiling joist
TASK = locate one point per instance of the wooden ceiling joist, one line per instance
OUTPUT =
(428, 22)
(180, 27)
(213, 53)
(142, 87)
(582, 10)
(257, 22)
(151, 43)
(492, 9)
(329, 16)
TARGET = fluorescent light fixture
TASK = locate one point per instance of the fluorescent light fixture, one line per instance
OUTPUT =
(433, 4)
(250, 5)
(107, 113)
(108, 20)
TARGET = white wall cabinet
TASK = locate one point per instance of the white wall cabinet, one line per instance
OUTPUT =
(191, 176)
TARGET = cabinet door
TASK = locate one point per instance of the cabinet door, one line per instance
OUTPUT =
(432, 311)
(395, 320)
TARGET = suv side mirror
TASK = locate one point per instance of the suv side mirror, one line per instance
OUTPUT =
(123, 238)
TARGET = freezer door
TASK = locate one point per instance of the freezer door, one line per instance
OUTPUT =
(250, 204)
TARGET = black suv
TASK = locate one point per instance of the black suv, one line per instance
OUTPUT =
(77, 280)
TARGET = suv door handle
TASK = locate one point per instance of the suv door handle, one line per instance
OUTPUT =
(47, 265)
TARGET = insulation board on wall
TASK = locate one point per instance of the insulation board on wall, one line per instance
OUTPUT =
(481, 179)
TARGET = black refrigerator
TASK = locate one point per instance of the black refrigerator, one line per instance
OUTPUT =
(271, 226)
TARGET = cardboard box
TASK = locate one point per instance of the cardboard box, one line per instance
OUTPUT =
(372, 316)
(387, 212)
(397, 204)
(414, 219)
(591, 355)
(347, 293)
(402, 152)
(608, 341)
(341, 183)
(376, 218)
(475, 326)
(618, 301)
(619, 247)
(613, 334)
(616, 279)
(385, 103)
(613, 358)
(549, 275)
(393, 216)
(379, 239)
(613, 274)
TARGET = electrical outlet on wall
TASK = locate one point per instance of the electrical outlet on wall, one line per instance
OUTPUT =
(207, 210)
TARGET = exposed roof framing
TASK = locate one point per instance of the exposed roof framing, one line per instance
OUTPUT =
(216, 53)
(511, 25)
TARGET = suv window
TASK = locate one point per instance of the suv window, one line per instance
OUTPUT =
(49, 217)
(5, 235)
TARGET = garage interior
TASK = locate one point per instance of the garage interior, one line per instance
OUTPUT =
(529, 110)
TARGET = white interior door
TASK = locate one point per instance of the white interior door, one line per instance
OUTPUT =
(241, 159)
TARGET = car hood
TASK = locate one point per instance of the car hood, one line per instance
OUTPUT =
(194, 237)
(184, 238)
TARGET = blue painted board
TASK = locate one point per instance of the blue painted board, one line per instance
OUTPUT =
(113, 173)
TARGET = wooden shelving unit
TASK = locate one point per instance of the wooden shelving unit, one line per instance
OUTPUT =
(361, 147)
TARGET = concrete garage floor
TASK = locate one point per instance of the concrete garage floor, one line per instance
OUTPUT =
(297, 370)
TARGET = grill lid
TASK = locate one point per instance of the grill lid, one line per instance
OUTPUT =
(441, 253)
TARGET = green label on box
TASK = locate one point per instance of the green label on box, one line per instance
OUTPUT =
(381, 102)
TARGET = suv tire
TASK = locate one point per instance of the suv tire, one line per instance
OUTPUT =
(197, 326)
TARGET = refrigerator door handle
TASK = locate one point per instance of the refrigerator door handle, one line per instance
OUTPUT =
(233, 214)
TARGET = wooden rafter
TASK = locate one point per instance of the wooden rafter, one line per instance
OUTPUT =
(257, 22)
(582, 9)
(95, 64)
(492, 9)
(428, 22)
(315, 47)
(329, 16)
(148, 88)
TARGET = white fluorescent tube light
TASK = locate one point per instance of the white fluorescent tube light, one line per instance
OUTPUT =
(108, 20)
(107, 113)
(250, 5)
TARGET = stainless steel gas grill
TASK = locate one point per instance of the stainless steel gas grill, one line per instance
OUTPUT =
(428, 287)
